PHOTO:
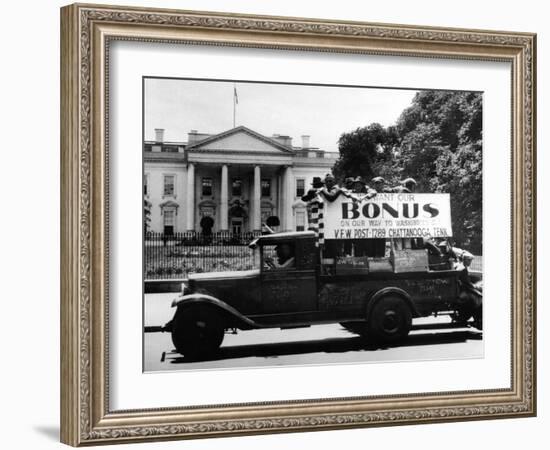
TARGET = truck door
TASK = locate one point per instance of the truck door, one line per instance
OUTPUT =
(289, 278)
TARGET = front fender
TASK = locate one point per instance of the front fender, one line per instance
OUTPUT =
(391, 291)
(206, 299)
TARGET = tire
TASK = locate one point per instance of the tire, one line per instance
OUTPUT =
(197, 332)
(470, 305)
(390, 320)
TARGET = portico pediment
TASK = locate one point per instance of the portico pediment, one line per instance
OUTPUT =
(169, 204)
(240, 140)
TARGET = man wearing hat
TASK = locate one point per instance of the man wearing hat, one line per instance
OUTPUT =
(360, 187)
(316, 184)
(348, 184)
(409, 184)
(331, 191)
(378, 184)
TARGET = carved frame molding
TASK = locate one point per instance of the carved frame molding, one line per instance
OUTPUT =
(86, 31)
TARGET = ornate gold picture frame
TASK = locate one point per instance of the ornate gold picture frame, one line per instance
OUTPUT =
(86, 34)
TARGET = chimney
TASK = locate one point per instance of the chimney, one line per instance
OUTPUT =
(192, 137)
(159, 134)
(305, 140)
(285, 140)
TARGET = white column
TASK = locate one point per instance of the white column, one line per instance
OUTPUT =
(288, 196)
(224, 200)
(190, 213)
(282, 199)
(256, 200)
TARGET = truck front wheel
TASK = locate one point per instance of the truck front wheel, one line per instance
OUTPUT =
(197, 332)
(390, 320)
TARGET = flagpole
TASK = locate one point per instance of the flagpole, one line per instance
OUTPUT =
(234, 103)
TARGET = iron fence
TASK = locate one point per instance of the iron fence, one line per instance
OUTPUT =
(176, 255)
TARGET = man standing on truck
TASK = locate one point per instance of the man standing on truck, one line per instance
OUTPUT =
(316, 185)
(378, 184)
(348, 184)
(407, 186)
(360, 187)
(331, 191)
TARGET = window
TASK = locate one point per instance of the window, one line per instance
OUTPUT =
(237, 187)
(237, 225)
(145, 184)
(278, 257)
(300, 220)
(169, 185)
(266, 188)
(207, 211)
(207, 186)
(300, 187)
(266, 211)
(169, 149)
(169, 221)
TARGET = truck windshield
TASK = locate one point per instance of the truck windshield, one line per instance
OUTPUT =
(278, 257)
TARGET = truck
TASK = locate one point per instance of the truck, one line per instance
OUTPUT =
(299, 282)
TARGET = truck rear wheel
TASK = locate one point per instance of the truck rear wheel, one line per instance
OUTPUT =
(197, 332)
(390, 320)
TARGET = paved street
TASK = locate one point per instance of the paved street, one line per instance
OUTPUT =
(430, 338)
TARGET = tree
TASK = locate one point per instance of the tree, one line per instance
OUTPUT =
(361, 149)
(438, 142)
(441, 147)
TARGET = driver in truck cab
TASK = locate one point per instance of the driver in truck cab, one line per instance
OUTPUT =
(285, 257)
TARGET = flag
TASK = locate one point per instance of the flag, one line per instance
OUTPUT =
(235, 96)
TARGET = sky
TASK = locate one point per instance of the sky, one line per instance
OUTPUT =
(322, 112)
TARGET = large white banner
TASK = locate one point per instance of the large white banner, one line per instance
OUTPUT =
(388, 216)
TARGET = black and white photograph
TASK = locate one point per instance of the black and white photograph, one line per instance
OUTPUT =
(295, 224)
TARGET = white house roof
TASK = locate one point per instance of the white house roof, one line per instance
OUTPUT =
(239, 138)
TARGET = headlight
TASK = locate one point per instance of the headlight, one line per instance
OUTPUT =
(185, 288)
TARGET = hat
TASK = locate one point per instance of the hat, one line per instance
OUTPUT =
(359, 179)
(378, 180)
(409, 181)
(348, 180)
(329, 176)
(317, 182)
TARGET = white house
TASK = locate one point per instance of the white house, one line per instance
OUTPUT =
(238, 178)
